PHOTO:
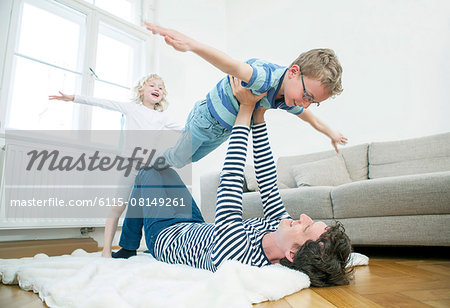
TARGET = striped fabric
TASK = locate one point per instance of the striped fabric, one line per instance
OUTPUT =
(267, 77)
(206, 246)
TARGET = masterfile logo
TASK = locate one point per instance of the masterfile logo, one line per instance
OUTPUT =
(82, 174)
(95, 161)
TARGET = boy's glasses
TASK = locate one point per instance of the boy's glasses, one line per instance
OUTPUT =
(307, 98)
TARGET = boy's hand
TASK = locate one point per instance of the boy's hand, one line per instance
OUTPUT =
(219, 59)
(338, 138)
(62, 97)
(173, 38)
(244, 96)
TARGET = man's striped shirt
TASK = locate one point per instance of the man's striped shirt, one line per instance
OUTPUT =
(230, 237)
(267, 77)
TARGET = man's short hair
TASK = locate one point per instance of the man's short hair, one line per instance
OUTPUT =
(323, 65)
(324, 260)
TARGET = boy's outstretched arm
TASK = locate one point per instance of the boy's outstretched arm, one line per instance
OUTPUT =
(336, 137)
(219, 59)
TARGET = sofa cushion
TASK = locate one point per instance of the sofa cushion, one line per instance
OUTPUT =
(412, 156)
(325, 172)
(355, 159)
(250, 180)
(426, 230)
(313, 201)
(421, 194)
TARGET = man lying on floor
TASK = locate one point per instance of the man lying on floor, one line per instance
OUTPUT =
(320, 251)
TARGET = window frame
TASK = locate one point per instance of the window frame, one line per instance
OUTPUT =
(95, 16)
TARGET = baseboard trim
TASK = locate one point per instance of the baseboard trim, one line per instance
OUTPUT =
(20, 249)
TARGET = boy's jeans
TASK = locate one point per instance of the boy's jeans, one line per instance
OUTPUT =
(151, 184)
(201, 135)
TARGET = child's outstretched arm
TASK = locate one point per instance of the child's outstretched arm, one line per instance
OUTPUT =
(92, 101)
(62, 97)
(219, 59)
(319, 125)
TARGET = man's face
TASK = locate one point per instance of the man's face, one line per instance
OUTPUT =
(294, 233)
(293, 89)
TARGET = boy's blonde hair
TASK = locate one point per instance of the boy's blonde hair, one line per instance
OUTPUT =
(137, 96)
(323, 65)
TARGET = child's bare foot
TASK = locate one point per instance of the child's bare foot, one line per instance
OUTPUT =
(106, 253)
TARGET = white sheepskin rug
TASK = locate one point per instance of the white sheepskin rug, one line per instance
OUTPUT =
(87, 280)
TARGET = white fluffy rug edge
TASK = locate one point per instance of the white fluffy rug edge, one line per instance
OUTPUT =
(87, 280)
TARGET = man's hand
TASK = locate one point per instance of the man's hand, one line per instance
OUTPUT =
(173, 38)
(62, 97)
(243, 95)
(338, 138)
(246, 99)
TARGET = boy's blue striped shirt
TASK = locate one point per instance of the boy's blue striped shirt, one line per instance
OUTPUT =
(267, 77)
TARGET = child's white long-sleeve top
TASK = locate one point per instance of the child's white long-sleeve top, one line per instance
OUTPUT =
(207, 246)
(138, 116)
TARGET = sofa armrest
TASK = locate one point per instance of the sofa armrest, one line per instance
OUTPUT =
(208, 193)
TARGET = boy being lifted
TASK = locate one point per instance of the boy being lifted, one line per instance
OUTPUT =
(311, 79)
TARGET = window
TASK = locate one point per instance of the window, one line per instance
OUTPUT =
(114, 72)
(46, 58)
(73, 47)
(126, 9)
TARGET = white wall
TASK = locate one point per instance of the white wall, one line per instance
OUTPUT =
(394, 55)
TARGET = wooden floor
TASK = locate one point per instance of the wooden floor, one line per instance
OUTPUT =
(407, 277)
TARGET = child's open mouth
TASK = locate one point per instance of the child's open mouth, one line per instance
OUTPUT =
(155, 94)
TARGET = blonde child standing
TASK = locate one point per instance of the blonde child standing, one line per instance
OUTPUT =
(146, 112)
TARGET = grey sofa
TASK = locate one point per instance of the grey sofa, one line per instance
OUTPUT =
(399, 192)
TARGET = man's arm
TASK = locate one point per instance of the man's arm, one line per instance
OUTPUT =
(230, 240)
(265, 170)
(336, 137)
(219, 59)
(266, 173)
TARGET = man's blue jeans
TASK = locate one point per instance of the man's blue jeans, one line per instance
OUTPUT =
(153, 185)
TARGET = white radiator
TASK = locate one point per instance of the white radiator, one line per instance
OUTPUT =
(13, 153)
(112, 185)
